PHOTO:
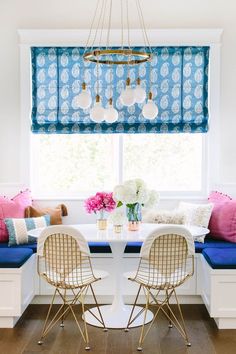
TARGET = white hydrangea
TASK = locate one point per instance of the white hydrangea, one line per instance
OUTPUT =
(140, 183)
(135, 191)
(119, 193)
(143, 195)
(126, 193)
(118, 217)
(130, 186)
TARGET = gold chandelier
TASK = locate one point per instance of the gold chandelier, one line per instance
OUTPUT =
(124, 54)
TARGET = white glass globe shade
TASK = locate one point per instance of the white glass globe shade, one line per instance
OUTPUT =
(150, 110)
(127, 97)
(84, 99)
(111, 115)
(97, 113)
(139, 94)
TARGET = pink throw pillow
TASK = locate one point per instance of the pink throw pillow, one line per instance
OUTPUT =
(13, 208)
(216, 197)
(222, 223)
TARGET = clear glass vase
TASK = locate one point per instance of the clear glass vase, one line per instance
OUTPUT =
(134, 215)
(101, 220)
(117, 228)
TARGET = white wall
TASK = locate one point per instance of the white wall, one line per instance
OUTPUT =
(56, 14)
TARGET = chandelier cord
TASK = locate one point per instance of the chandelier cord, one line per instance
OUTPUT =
(111, 81)
(122, 24)
(97, 67)
(146, 41)
(128, 27)
(102, 21)
(109, 24)
(143, 25)
(97, 28)
(128, 34)
(91, 27)
(90, 34)
(150, 78)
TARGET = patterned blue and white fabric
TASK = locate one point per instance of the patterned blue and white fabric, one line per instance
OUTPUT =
(179, 83)
(18, 229)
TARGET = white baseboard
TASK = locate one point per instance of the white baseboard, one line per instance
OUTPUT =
(8, 322)
(225, 323)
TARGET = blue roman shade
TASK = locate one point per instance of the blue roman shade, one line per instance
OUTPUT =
(179, 83)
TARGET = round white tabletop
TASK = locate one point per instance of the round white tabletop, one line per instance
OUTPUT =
(117, 314)
(92, 234)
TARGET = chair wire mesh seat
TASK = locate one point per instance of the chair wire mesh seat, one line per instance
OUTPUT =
(167, 261)
(64, 262)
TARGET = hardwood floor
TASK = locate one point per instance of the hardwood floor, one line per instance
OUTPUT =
(203, 334)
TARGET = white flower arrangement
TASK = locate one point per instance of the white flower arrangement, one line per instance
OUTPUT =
(135, 191)
(118, 217)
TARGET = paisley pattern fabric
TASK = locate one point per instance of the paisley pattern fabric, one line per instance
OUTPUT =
(178, 77)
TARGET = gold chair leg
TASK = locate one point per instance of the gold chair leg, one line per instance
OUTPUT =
(183, 322)
(169, 311)
(46, 327)
(99, 311)
(61, 313)
(63, 309)
(85, 324)
(141, 338)
(154, 317)
(132, 311)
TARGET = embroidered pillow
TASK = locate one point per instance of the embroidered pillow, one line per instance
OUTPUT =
(196, 214)
(18, 228)
(164, 217)
(223, 219)
(13, 208)
(55, 213)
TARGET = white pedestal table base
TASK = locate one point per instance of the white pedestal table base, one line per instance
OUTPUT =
(117, 314)
(117, 319)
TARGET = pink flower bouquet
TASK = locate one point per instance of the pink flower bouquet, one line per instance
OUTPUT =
(100, 202)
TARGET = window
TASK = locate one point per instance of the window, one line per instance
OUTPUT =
(77, 165)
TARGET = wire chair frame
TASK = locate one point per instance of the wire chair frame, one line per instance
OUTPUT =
(167, 267)
(66, 268)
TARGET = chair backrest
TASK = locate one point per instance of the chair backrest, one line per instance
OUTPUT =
(65, 256)
(165, 255)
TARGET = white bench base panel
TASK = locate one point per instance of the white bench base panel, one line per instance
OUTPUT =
(218, 290)
(17, 290)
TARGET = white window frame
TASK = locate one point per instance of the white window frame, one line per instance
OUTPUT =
(157, 37)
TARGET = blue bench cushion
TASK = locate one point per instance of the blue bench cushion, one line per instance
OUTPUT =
(95, 247)
(30, 246)
(14, 257)
(220, 258)
(213, 243)
(134, 247)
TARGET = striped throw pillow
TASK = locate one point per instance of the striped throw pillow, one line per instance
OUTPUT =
(18, 228)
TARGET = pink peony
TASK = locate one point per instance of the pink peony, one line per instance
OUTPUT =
(101, 201)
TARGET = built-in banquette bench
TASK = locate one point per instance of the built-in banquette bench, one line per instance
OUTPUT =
(214, 279)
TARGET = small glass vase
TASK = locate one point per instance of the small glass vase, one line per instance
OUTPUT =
(117, 228)
(134, 216)
(101, 220)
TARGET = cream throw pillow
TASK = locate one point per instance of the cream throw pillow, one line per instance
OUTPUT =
(196, 214)
(164, 217)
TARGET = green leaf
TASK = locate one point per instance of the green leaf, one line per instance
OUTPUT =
(119, 204)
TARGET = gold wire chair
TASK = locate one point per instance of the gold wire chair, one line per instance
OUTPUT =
(64, 262)
(166, 262)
